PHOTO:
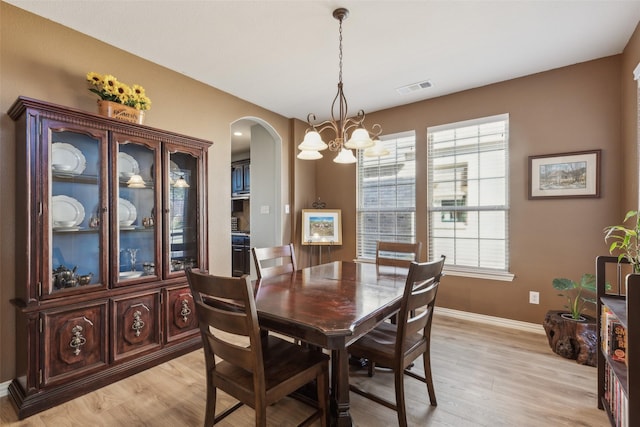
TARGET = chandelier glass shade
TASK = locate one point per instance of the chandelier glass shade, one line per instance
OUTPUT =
(341, 125)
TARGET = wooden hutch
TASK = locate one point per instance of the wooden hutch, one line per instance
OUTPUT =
(109, 214)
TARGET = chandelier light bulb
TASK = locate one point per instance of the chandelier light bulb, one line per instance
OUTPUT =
(312, 142)
(377, 150)
(359, 139)
(345, 157)
(309, 155)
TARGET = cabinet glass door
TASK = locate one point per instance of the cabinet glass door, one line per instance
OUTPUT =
(74, 209)
(135, 203)
(183, 211)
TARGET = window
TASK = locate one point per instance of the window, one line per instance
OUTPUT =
(386, 207)
(468, 194)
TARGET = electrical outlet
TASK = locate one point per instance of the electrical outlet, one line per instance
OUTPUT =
(534, 297)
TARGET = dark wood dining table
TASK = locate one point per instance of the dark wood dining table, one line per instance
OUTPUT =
(330, 306)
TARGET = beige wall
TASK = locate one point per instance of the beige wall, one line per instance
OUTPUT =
(569, 109)
(43, 60)
(580, 107)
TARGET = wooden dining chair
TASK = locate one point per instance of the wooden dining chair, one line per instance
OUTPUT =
(397, 254)
(275, 260)
(260, 373)
(397, 345)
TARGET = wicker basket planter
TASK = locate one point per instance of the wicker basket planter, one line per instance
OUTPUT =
(120, 111)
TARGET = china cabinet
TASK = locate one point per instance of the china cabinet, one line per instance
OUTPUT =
(110, 216)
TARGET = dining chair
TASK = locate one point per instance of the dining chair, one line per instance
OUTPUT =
(258, 374)
(397, 254)
(275, 260)
(397, 345)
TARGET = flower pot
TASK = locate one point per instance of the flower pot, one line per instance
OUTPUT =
(120, 111)
(568, 316)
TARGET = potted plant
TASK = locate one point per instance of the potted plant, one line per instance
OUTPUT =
(625, 240)
(574, 292)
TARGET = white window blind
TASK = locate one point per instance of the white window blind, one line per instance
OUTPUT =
(468, 193)
(386, 206)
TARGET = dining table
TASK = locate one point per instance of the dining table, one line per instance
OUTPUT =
(330, 306)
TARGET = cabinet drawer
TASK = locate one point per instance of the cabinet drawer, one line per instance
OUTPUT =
(135, 324)
(74, 340)
(181, 320)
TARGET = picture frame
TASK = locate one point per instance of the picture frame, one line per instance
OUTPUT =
(565, 175)
(321, 227)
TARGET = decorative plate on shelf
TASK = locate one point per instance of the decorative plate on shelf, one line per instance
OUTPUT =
(126, 212)
(127, 165)
(67, 159)
(66, 212)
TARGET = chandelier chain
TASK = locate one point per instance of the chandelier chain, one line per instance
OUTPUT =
(339, 122)
(340, 53)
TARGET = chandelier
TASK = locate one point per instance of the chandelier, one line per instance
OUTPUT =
(361, 138)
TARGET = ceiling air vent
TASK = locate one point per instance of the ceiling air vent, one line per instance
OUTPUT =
(414, 87)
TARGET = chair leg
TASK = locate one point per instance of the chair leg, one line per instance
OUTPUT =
(426, 358)
(261, 414)
(400, 408)
(322, 382)
(210, 410)
(371, 367)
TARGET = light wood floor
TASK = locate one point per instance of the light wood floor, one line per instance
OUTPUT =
(484, 376)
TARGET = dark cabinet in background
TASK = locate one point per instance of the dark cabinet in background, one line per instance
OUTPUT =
(240, 178)
(240, 255)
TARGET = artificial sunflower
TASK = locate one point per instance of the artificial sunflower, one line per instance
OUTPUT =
(108, 88)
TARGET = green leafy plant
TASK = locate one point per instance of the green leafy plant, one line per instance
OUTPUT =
(625, 240)
(574, 292)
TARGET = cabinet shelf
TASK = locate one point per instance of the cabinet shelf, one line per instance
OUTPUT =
(78, 179)
(618, 306)
(75, 231)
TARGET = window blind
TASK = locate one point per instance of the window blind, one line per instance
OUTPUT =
(468, 193)
(386, 203)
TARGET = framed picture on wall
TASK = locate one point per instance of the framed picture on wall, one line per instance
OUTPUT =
(565, 175)
(321, 227)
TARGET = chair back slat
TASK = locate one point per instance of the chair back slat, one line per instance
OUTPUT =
(397, 254)
(227, 315)
(422, 309)
(274, 261)
(418, 301)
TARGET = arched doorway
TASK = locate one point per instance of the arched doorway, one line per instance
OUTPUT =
(260, 143)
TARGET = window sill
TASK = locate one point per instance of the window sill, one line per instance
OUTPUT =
(480, 274)
(476, 274)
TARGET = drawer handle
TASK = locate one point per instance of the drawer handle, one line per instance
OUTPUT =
(77, 340)
(138, 323)
(185, 311)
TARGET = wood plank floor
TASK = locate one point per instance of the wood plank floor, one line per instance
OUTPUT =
(484, 376)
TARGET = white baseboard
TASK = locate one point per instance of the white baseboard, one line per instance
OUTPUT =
(4, 388)
(491, 320)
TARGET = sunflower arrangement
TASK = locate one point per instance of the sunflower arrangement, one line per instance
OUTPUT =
(108, 88)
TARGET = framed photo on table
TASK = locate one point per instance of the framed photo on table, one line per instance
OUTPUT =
(321, 227)
(565, 175)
